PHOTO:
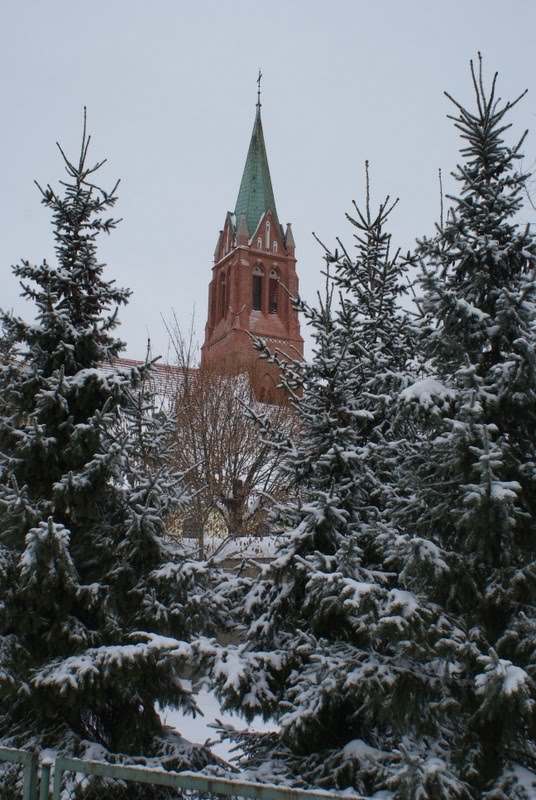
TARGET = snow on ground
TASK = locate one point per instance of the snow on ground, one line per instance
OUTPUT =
(197, 730)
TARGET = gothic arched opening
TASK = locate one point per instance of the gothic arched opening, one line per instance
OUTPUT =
(273, 283)
(256, 300)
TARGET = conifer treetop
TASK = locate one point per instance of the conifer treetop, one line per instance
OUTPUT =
(76, 306)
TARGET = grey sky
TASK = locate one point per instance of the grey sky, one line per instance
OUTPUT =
(170, 90)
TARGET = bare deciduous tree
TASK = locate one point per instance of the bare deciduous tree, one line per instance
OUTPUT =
(232, 474)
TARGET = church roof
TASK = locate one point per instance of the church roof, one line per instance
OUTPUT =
(164, 381)
(256, 194)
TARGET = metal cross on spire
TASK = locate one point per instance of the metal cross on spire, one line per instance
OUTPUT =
(259, 89)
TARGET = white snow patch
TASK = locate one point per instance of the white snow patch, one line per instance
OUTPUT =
(470, 309)
(231, 667)
(525, 779)
(427, 392)
(513, 679)
(505, 490)
(404, 600)
(357, 748)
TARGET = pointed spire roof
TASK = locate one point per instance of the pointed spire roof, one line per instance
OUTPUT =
(290, 244)
(242, 233)
(256, 194)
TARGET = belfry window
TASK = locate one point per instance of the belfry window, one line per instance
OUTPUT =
(257, 289)
(259, 243)
(267, 235)
(272, 292)
(274, 247)
(223, 295)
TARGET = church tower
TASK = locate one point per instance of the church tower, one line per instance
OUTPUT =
(253, 274)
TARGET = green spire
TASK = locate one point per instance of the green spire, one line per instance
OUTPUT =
(256, 194)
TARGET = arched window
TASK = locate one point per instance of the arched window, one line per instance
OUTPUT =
(223, 295)
(257, 289)
(272, 292)
(259, 243)
(267, 235)
(267, 392)
(274, 247)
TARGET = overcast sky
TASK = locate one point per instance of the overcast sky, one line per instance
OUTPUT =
(170, 88)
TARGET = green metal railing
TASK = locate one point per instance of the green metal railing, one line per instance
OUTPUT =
(191, 781)
(70, 774)
(29, 763)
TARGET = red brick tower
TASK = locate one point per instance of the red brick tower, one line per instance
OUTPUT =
(254, 271)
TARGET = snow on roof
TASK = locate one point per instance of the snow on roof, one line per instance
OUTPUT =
(164, 379)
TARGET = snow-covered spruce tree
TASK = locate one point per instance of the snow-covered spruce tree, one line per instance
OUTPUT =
(98, 609)
(334, 649)
(472, 481)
